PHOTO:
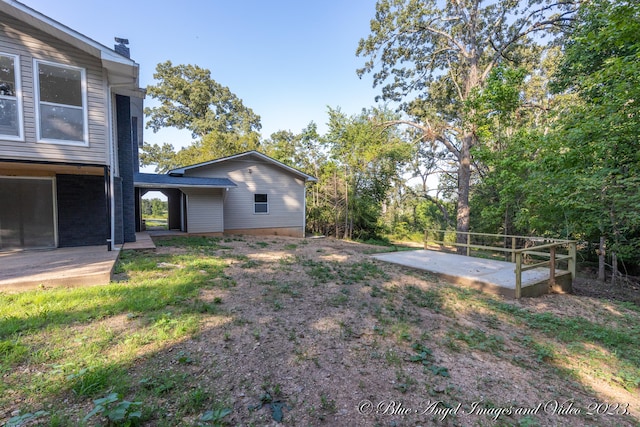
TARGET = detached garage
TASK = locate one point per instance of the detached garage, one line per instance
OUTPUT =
(248, 193)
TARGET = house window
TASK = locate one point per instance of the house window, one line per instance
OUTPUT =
(61, 103)
(261, 205)
(10, 98)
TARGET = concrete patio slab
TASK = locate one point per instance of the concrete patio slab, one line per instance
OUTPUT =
(68, 267)
(485, 274)
(81, 266)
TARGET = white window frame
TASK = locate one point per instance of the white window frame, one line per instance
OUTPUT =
(260, 203)
(85, 115)
(18, 99)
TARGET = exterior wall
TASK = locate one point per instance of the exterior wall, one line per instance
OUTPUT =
(204, 211)
(285, 193)
(118, 211)
(82, 214)
(174, 201)
(280, 231)
(126, 159)
(29, 43)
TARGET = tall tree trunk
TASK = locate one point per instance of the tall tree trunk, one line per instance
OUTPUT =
(464, 182)
(335, 202)
(346, 215)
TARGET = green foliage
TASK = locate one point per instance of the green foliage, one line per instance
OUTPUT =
(20, 420)
(598, 136)
(369, 157)
(439, 60)
(154, 208)
(117, 412)
(214, 417)
(190, 99)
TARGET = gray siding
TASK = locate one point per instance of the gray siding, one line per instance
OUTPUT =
(285, 194)
(30, 43)
(204, 211)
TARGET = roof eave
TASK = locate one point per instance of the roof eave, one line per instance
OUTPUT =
(307, 178)
(121, 70)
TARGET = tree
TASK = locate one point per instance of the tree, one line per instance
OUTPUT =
(433, 59)
(190, 99)
(598, 136)
(371, 157)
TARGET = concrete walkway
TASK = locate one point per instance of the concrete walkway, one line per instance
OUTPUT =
(143, 242)
(488, 275)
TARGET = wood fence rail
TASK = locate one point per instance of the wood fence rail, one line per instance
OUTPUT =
(538, 247)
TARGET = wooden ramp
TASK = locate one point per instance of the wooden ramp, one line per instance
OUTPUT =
(488, 275)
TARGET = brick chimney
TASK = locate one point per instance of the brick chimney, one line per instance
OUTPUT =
(121, 47)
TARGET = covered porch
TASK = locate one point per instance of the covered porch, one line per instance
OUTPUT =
(194, 203)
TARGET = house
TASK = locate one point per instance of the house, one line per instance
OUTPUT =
(70, 127)
(71, 123)
(247, 193)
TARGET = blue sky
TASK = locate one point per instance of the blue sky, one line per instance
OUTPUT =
(286, 59)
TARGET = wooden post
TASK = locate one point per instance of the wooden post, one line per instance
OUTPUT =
(614, 268)
(426, 239)
(572, 259)
(518, 274)
(468, 244)
(602, 253)
(552, 266)
(513, 249)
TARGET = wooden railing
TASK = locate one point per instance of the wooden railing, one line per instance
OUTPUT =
(522, 250)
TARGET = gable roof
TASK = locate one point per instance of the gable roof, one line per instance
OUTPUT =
(264, 157)
(121, 69)
(151, 180)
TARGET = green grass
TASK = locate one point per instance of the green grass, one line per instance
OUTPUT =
(64, 349)
(81, 342)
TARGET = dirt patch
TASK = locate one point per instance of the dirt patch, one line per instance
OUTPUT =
(316, 332)
(625, 290)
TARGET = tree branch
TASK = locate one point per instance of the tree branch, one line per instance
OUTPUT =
(427, 130)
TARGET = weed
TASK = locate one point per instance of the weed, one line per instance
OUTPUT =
(262, 244)
(358, 272)
(319, 270)
(477, 339)
(328, 405)
(252, 263)
(193, 401)
(423, 354)
(19, 420)
(338, 300)
(117, 411)
(439, 370)
(431, 299)
(290, 246)
(184, 358)
(214, 417)
(404, 382)
(12, 353)
(393, 358)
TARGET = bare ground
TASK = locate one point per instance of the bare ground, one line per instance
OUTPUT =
(316, 332)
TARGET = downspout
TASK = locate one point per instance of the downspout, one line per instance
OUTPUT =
(112, 202)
